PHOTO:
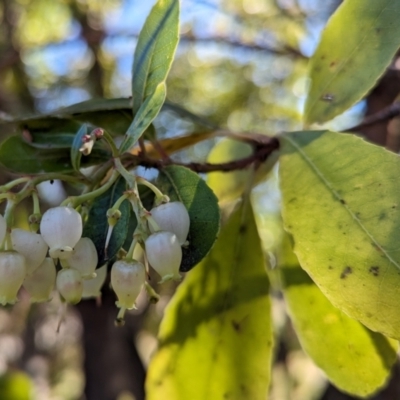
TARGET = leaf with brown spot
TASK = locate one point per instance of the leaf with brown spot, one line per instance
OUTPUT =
(356, 47)
(321, 168)
(354, 358)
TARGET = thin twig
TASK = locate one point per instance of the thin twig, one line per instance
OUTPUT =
(261, 152)
(385, 114)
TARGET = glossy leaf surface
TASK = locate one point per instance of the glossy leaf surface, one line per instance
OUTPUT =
(144, 117)
(341, 205)
(356, 47)
(181, 184)
(155, 50)
(216, 336)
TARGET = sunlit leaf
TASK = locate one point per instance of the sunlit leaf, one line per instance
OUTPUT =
(341, 205)
(181, 184)
(144, 116)
(96, 226)
(355, 359)
(357, 45)
(216, 335)
(229, 185)
(15, 386)
(155, 50)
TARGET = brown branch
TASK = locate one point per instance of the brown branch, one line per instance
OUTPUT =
(386, 113)
(261, 152)
(285, 50)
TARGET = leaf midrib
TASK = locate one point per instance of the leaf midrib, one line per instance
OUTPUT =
(336, 194)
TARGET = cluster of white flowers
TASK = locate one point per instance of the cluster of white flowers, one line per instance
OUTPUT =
(168, 228)
(60, 258)
(32, 261)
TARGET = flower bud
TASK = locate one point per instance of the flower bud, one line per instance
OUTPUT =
(127, 279)
(61, 228)
(12, 274)
(92, 287)
(40, 283)
(69, 285)
(172, 217)
(164, 254)
(31, 245)
(84, 257)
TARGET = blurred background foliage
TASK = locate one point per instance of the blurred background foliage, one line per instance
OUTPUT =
(242, 65)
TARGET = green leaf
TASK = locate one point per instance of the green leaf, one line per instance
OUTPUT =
(216, 335)
(143, 118)
(341, 203)
(20, 157)
(76, 154)
(358, 44)
(155, 50)
(52, 140)
(96, 226)
(355, 359)
(113, 115)
(181, 184)
(94, 105)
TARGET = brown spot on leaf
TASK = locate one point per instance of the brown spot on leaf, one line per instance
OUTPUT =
(236, 326)
(330, 267)
(332, 64)
(327, 97)
(346, 271)
(342, 201)
(374, 270)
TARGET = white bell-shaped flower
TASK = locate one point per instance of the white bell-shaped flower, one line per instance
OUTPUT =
(61, 228)
(69, 285)
(164, 254)
(40, 283)
(31, 245)
(84, 257)
(12, 274)
(92, 287)
(127, 279)
(172, 217)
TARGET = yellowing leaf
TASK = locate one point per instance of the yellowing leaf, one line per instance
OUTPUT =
(358, 43)
(216, 337)
(355, 359)
(341, 200)
(229, 185)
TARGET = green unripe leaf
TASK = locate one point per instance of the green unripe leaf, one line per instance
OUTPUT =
(181, 184)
